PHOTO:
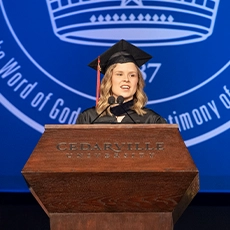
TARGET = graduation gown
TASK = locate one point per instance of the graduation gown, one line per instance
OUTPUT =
(130, 116)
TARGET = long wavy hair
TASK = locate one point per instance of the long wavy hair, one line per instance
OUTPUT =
(140, 98)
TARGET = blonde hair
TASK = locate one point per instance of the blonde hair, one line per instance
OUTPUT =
(140, 98)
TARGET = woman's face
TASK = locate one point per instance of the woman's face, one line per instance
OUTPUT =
(124, 80)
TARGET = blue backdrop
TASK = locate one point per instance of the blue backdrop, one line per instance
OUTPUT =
(45, 47)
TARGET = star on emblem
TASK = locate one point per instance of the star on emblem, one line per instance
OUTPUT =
(126, 2)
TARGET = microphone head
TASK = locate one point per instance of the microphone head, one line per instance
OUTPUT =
(111, 100)
(120, 99)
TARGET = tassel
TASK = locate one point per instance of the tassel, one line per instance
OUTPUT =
(98, 79)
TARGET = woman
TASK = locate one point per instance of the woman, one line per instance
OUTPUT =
(122, 98)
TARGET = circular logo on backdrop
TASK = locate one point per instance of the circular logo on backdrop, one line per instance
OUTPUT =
(44, 55)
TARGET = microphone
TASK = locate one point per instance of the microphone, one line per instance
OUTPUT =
(111, 100)
(120, 100)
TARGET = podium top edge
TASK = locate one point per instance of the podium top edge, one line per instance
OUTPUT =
(110, 126)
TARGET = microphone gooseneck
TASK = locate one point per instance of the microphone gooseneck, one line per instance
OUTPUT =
(111, 101)
(120, 100)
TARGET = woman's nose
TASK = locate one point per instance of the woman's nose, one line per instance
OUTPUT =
(126, 77)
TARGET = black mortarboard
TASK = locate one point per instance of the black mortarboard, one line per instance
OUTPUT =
(121, 52)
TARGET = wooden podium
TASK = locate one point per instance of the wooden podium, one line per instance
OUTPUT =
(106, 176)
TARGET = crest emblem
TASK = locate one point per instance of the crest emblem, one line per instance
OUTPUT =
(159, 23)
(45, 79)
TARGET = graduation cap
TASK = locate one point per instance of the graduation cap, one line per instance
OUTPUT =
(121, 52)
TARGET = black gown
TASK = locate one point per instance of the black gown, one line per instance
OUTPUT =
(130, 116)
